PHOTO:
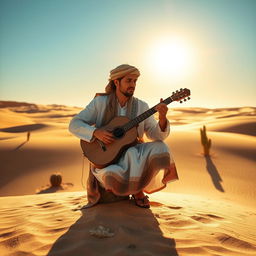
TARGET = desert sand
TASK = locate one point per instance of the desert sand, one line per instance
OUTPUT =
(209, 211)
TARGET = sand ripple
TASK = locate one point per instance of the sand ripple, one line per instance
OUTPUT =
(48, 225)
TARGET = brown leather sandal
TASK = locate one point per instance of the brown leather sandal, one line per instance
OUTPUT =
(142, 202)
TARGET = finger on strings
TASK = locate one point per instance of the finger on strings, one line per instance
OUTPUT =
(109, 136)
(107, 141)
(109, 133)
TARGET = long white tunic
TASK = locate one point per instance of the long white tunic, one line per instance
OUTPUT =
(146, 166)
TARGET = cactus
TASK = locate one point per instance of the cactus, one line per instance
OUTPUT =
(205, 141)
(55, 180)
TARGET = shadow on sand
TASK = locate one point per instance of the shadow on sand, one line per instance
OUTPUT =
(52, 189)
(136, 232)
(22, 144)
(215, 176)
(23, 128)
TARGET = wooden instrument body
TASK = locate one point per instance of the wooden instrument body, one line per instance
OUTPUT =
(102, 155)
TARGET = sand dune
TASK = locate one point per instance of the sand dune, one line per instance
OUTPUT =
(240, 125)
(176, 224)
(209, 211)
(246, 126)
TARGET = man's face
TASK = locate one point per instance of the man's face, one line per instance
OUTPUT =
(127, 85)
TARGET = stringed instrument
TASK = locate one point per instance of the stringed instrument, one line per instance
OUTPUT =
(125, 134)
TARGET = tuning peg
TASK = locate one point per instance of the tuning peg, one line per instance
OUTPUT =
(172, 93)
(185, 100)
(181, 101)
(177, 90)
(188, 98)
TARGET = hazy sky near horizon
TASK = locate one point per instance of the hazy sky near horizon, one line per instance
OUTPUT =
(61, 51)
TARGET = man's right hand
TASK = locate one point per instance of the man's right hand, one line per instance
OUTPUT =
(104, 136)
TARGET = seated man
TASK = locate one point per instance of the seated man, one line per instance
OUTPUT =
(145, 167)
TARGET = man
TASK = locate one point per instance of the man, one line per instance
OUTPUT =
(145, 167)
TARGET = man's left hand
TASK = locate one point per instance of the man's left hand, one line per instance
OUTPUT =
(162, 111)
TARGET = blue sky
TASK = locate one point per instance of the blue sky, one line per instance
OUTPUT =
(61, 51)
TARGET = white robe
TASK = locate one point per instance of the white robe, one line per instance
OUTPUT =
(146, 166)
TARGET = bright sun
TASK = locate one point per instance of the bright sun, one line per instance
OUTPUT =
(172, 58)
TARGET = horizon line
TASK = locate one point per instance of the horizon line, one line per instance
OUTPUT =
(68, 105)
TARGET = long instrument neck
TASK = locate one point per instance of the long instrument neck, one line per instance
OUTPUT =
(145, 115)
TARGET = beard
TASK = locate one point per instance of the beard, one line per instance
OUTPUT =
(127, 94)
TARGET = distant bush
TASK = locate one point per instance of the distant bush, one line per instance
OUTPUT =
(56, 180)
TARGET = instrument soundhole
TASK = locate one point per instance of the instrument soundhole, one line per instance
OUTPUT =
(118, 132)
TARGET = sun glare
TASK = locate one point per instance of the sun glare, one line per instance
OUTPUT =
(172, 58)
